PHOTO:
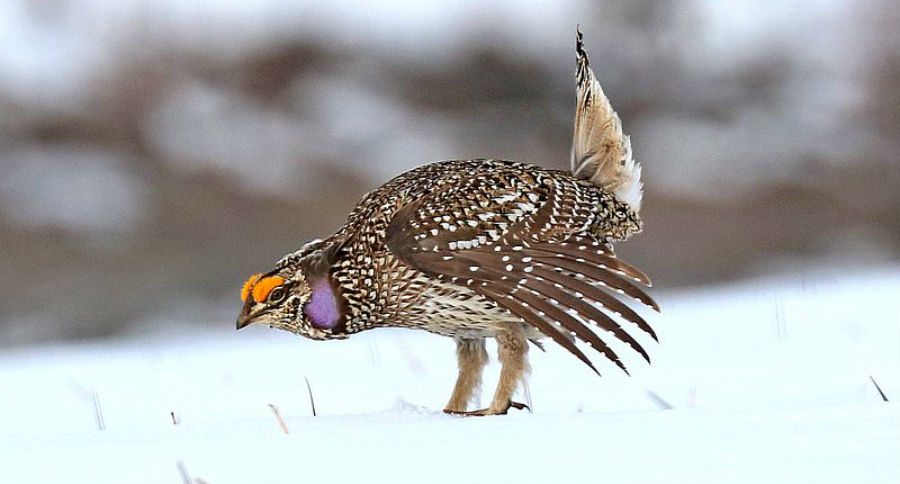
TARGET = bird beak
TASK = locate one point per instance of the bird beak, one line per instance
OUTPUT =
(244, 320)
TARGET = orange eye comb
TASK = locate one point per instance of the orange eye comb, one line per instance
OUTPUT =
(245, 291)
(264, 286)
(259, 287)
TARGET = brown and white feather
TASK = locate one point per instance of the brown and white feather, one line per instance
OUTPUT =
(601, 152)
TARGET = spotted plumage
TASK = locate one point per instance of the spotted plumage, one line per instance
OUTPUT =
(483, 248)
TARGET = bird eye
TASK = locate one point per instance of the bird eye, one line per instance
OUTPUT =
(277, 295)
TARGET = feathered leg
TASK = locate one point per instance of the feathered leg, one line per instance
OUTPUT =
(472, 357)
(512, 349)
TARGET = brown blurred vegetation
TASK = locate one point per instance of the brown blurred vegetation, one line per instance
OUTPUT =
(212, 165)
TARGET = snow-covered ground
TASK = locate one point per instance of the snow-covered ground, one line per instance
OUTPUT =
(767, 380)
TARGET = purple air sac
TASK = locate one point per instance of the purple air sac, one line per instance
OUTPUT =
(322, 309)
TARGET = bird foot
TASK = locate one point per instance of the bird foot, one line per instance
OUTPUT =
(489, 411)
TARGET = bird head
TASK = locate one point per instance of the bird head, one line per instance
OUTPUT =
(293, 301)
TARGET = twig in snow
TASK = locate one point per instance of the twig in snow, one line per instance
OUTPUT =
(312, 401)
(658, 400)
(279, 419)
(780, 326)
(883, 396)
(374, 357)
(182, 470)
(174, 418)
(527, 396)
(98, 411)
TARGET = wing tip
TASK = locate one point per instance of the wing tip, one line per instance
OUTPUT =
(579, 41)
(582, 61)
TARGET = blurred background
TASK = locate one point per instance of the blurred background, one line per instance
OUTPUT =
(153, 154)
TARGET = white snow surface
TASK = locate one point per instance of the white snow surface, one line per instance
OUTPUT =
(768, 381)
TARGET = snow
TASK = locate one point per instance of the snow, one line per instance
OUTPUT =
(765, 380)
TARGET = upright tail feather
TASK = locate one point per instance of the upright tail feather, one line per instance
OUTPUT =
(601, 153)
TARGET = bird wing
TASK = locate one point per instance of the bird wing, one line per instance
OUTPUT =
(522, 242)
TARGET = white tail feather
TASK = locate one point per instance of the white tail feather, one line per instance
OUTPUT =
(601, 153)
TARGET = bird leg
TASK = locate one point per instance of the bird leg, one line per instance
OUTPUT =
(512, 349)
(472, 357)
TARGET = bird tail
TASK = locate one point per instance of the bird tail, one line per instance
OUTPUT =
(601, 153)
